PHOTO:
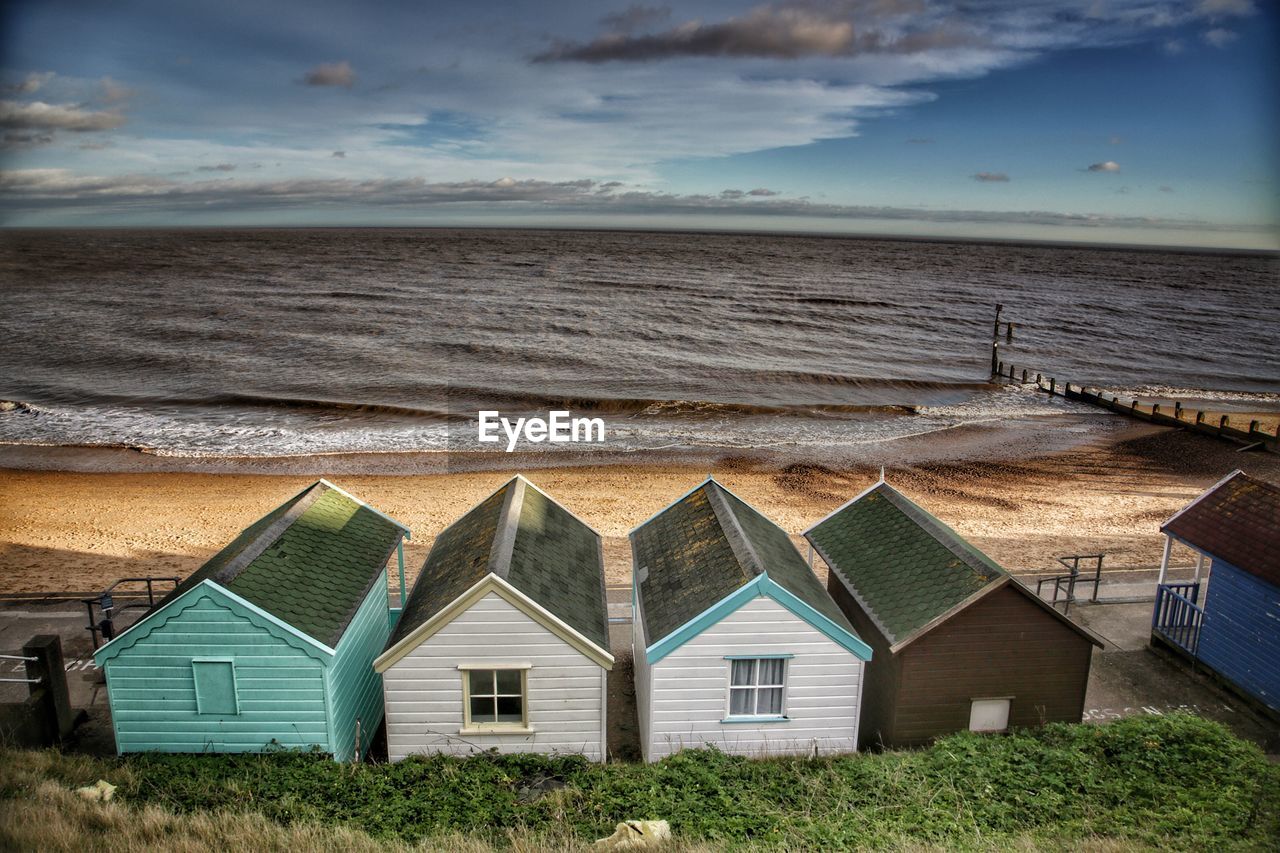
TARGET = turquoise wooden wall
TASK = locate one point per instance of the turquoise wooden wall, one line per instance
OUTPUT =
(355, 690)
(280, 682)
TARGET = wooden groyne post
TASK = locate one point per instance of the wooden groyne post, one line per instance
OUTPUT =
(1253, 437)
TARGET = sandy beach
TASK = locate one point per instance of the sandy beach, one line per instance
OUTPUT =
(69, 531)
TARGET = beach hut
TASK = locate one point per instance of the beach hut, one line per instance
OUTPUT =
(1227, 616)
(737, 645)
(270, 643)
(504, 640)
(959, 643)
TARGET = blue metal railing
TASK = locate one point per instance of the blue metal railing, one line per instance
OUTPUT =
(1177, 615)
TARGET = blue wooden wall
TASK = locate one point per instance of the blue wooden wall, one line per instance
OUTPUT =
(1240, 637)
(280, 683)
(355, 689)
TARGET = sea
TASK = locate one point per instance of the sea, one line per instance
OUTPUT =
(243, 349)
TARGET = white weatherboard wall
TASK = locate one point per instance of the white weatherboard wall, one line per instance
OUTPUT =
(688, 690)
(424, 688)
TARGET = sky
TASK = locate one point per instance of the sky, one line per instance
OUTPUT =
(1127, 121)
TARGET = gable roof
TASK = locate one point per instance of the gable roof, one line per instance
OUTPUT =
(907, 570)
(533, 544)
(1236, 521)
(310, 562)
(705, 547)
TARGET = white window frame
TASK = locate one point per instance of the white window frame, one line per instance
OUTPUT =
(730, 660)
(482, 727)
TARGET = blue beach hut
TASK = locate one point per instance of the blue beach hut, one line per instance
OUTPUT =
(1228, 616)
(268, 644)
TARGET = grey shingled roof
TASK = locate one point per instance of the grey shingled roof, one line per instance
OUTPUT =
(531, 542)
(905, 567)
(705, 546)
(310, 562)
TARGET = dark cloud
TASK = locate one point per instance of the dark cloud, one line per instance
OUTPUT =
(761, 191)
(331, 74)
(45, 189)
(1166, 189)
(23, 139)
(635, 17)
(732, 194)
(1105, 166)
(220, 167)
(341, 155)
(29, 84)
(783, 31)
(992, 177)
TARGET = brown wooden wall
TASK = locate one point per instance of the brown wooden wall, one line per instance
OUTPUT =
(1002, 645)
(880, 675)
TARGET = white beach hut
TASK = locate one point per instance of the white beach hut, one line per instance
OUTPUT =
(737, 644)
(504, 641)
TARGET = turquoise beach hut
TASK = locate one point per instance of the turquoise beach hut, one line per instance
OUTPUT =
(270, 644)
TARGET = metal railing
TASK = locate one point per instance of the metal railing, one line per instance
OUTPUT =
(103, 625)
(1177, 616)
(1065, 585)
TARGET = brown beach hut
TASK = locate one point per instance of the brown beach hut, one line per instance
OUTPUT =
(958, 642)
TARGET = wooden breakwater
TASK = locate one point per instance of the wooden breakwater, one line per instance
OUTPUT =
(1213, 424)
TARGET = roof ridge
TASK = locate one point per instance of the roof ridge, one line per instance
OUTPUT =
(504, 542)
(267, 537)
(743, 548)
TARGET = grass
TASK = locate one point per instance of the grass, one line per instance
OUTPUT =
(1173, 782)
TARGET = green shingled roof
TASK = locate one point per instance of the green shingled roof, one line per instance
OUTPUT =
(310, 562)
(905, 567)
(704, 547)
(531, 542)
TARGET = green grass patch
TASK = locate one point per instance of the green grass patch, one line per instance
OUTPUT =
(1176, 781)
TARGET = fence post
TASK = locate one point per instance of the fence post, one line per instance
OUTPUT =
(1199, 416)
(48, 666)
(1024, 376)
(1052, 384)
(1224, 422)
(1253, 426)
(1177, 409)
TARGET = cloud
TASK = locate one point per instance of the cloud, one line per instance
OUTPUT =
(1105, 166)
(1220, 38)
(992, 177)
(762, 192)
(114, 92)
(732, 194)
(1222, 8)
(919, 141)
(221, 167)
(29, 84)
(790, 30)
(341, 155)
(1174, 47)
(634, 17)
(331, 74)
(1115, 140)
(22, 139)
(43, 189)
(37, 115)
(1166, 189)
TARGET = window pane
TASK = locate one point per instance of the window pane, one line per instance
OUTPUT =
(770, 701)
(509, 682)
(771, 670)
(481, 682)
(215, 686)
(509, 709)
(740, 702)
(482, 710)
(742, 672)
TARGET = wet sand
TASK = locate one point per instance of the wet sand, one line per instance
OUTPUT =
(79, 531)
